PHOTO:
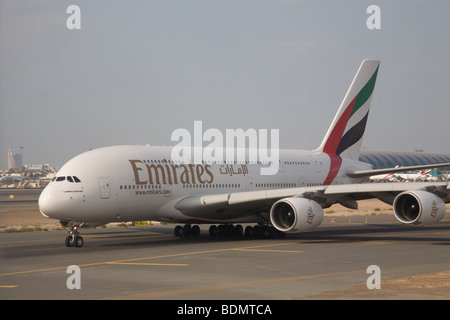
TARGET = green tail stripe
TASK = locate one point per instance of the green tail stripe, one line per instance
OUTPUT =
(365, 92)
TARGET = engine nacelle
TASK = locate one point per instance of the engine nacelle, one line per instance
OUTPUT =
(294, 215)
(418, 207)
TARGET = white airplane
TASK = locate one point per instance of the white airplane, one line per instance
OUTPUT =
(138, 183)
(413, 175)
(383, 177)
(12, 178)
(400, 176)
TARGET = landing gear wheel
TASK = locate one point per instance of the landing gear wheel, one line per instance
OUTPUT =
(178, 231)
(249, 231)
(195, 231)
(263, 232)
(186, 231)
(69, 241)
(213, 231)
(74, 240)
(239, 230)
(226, 230)
(78, 242)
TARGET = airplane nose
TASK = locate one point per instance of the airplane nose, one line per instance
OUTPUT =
(48, 204)
(44, 203)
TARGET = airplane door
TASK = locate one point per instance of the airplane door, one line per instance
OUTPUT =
(105, 188)
(280, 166)
(249, 184)
(317, 166)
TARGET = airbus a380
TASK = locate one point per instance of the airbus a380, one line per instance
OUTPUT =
(138, 183)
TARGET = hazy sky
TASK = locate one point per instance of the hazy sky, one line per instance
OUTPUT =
(137, 70)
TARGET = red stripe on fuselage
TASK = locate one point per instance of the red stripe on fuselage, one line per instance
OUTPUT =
(335, 165)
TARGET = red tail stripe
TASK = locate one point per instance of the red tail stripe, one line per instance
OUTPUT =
(335, 136)
(333, 142)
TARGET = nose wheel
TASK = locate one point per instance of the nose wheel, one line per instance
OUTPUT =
(74, 239)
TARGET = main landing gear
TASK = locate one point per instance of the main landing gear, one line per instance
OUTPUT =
(263, 232)
(74, 239)
(186, 230)
(229, 230)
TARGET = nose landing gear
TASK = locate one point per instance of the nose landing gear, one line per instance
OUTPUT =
(74, 239)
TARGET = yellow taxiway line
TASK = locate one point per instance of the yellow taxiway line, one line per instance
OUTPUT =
(134, 260)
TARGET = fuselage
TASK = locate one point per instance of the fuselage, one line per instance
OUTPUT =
(131, 183)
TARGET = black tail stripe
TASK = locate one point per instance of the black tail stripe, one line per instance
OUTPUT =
(353, 135)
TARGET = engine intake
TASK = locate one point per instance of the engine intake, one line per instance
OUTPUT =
(294, 215)
(418, 207)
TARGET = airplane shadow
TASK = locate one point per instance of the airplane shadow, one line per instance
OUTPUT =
(436, 235)
(120, 238)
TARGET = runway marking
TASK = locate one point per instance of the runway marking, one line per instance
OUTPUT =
(273, 245)
(129, 261)
(254, 248)
(262, 250)
(204, 252)
(149, 264)
(376, 242)
(48, 269)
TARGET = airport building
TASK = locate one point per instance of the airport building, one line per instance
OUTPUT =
(14, 160)
(390, 159)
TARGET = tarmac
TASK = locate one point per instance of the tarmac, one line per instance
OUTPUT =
(360, 256)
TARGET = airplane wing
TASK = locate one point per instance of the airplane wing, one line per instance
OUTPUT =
(227, 205)
(345, 194)
(324, 195)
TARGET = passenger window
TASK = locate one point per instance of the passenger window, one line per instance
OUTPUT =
(69, 178)
(60, 179)
(76, 179)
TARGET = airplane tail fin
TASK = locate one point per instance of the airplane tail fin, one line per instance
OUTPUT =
(344, 136)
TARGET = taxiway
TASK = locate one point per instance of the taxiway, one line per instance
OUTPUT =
(150, 263)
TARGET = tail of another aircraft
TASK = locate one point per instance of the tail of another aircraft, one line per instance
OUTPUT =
(344, 137)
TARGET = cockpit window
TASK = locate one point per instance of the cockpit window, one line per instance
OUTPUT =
(71, 179)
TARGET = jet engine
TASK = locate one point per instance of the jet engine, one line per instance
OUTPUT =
(294, 215)
(418, 207)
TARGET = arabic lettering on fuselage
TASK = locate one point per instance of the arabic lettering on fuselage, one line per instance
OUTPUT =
(229, 169)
